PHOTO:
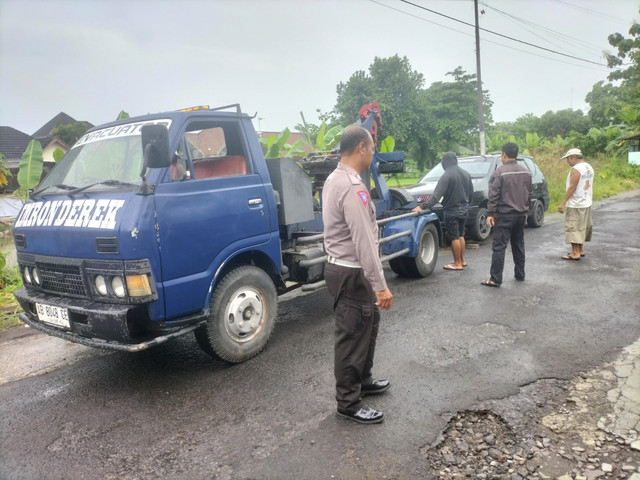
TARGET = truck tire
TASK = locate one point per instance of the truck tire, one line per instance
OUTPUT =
(537, 215)
(242, 315)
(479, 230)
(425, 261)
(400, 198)
(398, 266)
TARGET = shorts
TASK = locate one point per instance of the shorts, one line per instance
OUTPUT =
(578, 225)
(454, 224)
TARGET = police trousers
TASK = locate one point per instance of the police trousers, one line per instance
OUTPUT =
(356, 331)
(508, 230)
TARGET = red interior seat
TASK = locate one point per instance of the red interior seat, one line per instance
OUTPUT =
(228, 166)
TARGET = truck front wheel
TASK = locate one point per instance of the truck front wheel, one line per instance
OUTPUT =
(242, 315)
(425, 260)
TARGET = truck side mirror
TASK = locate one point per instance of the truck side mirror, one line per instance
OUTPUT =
(155, 146)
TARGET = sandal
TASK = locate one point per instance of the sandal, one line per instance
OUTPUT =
(569, 257)
(489, 283)
(451, 267)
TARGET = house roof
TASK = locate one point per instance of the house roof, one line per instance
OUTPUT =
(633, 136)
(47, 129)
(13, 142)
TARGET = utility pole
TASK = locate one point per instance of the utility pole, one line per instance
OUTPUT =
(483, 147)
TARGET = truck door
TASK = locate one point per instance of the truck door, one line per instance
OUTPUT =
(214, 204)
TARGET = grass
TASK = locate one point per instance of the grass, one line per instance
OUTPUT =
(10, 280)
(405, 180)
(613, 175)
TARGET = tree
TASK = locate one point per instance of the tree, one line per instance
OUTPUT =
(629, 55)
(552, 124)
(604, 102)
(4, 172)
(396, 87)
(70, 133)
(30, 169)
(452, 111)
(423, 122)
(548, 126)
(626, 65)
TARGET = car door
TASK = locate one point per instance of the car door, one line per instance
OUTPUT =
(215, 208)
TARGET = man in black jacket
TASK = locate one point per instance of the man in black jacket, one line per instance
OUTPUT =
(510, 190)
(455, 188)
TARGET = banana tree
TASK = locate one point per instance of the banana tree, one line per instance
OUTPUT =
(278, 146)
(387, 145)
(30, 169)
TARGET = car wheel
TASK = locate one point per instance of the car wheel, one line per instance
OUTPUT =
(479, 230)
(536, 217)
(242, 315)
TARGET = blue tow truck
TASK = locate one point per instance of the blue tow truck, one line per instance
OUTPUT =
(153, 227)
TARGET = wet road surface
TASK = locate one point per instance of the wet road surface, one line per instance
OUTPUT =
(448, 344)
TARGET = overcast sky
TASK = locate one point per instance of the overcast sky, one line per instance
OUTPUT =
(91, 59)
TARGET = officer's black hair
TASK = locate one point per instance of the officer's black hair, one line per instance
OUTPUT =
(352, 137)
(510, 150)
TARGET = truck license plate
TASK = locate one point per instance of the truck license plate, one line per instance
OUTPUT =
(53, 315)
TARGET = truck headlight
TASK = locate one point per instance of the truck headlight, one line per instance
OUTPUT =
(117, 286)
(27, 275)
(101, 285)
(36, 276)
(138, 285)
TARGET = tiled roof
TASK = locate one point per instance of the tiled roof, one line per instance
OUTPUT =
(47, 129)
(13, 142)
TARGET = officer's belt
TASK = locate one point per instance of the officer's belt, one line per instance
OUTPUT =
(343, 263)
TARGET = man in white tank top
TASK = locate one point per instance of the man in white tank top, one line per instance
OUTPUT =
(576, 205)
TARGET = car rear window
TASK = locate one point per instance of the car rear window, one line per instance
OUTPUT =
(477, 167)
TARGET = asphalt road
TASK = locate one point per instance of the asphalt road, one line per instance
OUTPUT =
(448, 344)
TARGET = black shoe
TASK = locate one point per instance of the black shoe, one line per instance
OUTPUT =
(520, 279)
(365, 415)
(376, 386)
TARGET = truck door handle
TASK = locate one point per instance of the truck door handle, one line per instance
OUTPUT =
(255, 201)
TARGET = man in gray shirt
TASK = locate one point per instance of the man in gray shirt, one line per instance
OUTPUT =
(354, 276)
(510, 191)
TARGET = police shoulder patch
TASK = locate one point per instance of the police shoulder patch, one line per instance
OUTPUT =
(364, 196)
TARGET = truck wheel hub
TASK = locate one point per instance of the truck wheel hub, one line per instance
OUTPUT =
(244, 313)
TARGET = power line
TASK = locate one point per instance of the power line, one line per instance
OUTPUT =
(487, 40)
(595, 12)
(420, 18)
(502, 35)
(578, 43)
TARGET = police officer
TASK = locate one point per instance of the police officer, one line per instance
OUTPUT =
(354, 276)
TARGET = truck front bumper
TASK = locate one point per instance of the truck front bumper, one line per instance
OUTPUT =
(101, 325)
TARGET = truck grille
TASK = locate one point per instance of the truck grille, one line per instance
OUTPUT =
(61, 278)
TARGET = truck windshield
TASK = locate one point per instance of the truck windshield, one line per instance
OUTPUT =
(110, 159)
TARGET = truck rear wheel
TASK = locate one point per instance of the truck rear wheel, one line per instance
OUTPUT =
(425, 261)
(242, 315)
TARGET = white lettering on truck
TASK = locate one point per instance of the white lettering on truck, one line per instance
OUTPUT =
(86, 213)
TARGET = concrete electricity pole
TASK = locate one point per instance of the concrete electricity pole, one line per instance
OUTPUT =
(483, 147)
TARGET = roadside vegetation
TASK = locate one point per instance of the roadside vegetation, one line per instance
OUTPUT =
(10, 280)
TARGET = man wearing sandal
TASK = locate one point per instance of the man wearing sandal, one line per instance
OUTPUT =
(455, 188)
(510, 192)
(576, 205)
